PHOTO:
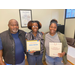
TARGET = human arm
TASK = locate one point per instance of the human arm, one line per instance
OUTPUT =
(1, 60)
(64, 47)
(42, 33)
(44, 52)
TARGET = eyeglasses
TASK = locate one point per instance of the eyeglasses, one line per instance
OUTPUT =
(34, 26)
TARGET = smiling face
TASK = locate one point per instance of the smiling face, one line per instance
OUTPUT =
(13, 26)
(34, 27)
(53, 28)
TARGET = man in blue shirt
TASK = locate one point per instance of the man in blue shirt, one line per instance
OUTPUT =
(12, 45)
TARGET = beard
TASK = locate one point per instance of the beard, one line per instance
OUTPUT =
(15, 30)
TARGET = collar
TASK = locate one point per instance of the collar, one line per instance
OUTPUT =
(11, 35)
(32, 33)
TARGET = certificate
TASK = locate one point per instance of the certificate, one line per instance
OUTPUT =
(33, 45)
(54, 49)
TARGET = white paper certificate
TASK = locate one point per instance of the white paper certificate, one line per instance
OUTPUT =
(54, 49)
(33, 45)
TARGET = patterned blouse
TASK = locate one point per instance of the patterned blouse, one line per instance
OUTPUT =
(39, 36)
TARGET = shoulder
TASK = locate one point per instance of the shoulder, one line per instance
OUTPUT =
(60, 34)
(22, 31)
(4, 33)
(28, 35)
(45, 34)
(40, 33)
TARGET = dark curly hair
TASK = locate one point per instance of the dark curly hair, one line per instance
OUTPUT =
(30, 24)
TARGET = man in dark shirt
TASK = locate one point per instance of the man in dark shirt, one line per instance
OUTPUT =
(12, 45)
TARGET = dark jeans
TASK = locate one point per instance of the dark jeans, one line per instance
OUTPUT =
(34, 59)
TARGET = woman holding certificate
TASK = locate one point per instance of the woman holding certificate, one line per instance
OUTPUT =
(55, 46)
(34, 43)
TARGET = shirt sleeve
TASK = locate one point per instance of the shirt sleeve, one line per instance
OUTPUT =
(1, 47)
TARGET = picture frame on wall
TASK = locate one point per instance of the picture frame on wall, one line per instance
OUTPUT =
(25, 16)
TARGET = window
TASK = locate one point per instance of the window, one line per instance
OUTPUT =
(70, 13)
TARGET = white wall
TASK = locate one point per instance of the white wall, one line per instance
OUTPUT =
(43, 15)
(61, 16)
(69, 28)
(5, 16)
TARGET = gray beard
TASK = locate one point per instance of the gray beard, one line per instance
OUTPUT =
(15, 31)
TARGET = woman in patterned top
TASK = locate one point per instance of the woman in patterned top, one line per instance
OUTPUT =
(35, 57)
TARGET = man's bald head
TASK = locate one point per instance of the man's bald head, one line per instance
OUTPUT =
(13, 26)
(12, 21)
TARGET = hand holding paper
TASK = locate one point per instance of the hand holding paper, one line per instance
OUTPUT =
(33, 45)
(61, 54)
(32, 51)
